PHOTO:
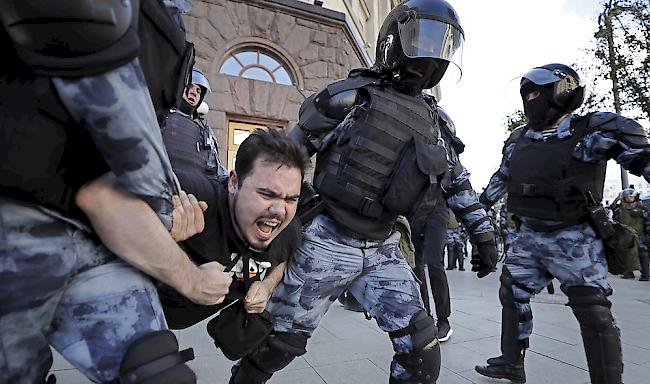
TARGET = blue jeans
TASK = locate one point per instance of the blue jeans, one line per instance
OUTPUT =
(62, 288)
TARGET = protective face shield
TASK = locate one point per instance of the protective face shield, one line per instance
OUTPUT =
(421, 33)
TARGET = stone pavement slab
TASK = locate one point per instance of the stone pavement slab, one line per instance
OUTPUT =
(347, 349)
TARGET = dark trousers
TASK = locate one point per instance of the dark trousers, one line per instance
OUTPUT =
(429, 250)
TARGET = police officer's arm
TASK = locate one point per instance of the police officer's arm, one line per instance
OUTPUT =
(320, 114)
(115, 109)
(130, 229)
(619, 138)
(464, 202)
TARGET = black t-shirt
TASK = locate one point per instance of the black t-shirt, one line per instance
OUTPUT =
(219, 242)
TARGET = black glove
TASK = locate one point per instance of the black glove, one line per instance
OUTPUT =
(484, 258)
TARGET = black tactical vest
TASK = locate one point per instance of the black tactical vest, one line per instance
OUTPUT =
(547, 182)
(383, 163)
(45, 156)
(187, 142)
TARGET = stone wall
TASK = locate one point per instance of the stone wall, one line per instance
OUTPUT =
(317, 48)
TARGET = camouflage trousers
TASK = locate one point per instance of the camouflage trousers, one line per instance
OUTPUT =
(62, 288)
(574, 255)
(331, 261)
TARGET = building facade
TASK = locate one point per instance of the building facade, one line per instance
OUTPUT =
(264, 57)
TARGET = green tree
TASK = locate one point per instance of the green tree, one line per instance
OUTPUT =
(515, 120)
(622, 58)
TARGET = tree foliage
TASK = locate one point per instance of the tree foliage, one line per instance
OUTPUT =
(630, 35)
(515, 120)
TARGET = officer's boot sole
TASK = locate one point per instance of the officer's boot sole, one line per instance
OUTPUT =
(508, 372)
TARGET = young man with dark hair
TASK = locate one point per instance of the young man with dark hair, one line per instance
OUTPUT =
(250, 218)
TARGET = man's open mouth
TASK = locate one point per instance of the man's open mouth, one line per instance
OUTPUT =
(266, 227)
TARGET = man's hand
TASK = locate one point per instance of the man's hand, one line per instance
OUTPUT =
(484, 258)
(257, 297)
(210, 284)
(187, 216)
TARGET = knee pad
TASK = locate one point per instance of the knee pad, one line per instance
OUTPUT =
(423, 363)
(591, 307)
(275, 353)
(155, 359)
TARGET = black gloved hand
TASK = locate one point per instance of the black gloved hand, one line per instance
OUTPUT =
(484, 258)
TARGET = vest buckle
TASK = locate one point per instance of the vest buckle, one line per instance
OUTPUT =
(529, 189)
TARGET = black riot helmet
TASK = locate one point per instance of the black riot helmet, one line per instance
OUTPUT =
(424, 33)
(566, 91)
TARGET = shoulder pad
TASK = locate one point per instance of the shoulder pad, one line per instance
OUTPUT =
(627, 130)
(337, 105)
(515, 135)
(452, 139)
(608, 121)
(354, 81)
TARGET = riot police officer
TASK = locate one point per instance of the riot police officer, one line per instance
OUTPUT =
(378, 154)
(188, 138)
(74, 106)
(631, 212)
(553, 170)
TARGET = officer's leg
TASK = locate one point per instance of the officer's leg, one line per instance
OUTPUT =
(419, 270)
(451, 264)
(388, 291)
(110, 322)
(600, 336)
(35, 264)
(316, 275)
(461, 256)
(579, 263)
(435, 238)
(522, 276)
(644, 259)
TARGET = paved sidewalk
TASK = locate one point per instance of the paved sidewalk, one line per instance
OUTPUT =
(348, 349)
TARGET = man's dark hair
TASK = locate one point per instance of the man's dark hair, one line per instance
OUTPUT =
(274, 146)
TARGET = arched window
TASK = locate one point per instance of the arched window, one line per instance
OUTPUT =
(257, 64)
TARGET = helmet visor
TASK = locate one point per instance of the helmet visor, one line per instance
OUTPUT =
(427, 38)
(543, 76)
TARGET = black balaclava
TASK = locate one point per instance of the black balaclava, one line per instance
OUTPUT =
(540, 111)
(412, 84)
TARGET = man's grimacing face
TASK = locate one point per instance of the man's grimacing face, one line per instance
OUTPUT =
(266, 201)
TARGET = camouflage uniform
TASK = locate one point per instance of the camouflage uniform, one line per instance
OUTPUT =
(574, 255)
(61, 286)
(636, 216)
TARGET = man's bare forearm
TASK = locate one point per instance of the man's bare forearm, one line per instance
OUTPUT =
(274, 277)
(131, 229)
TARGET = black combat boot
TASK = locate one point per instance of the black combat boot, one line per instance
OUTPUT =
(510, 365)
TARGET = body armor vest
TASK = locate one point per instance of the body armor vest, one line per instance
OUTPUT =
(187, 142)
(631, 215)
(547, 182)
(45, 156)
(384, 162)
